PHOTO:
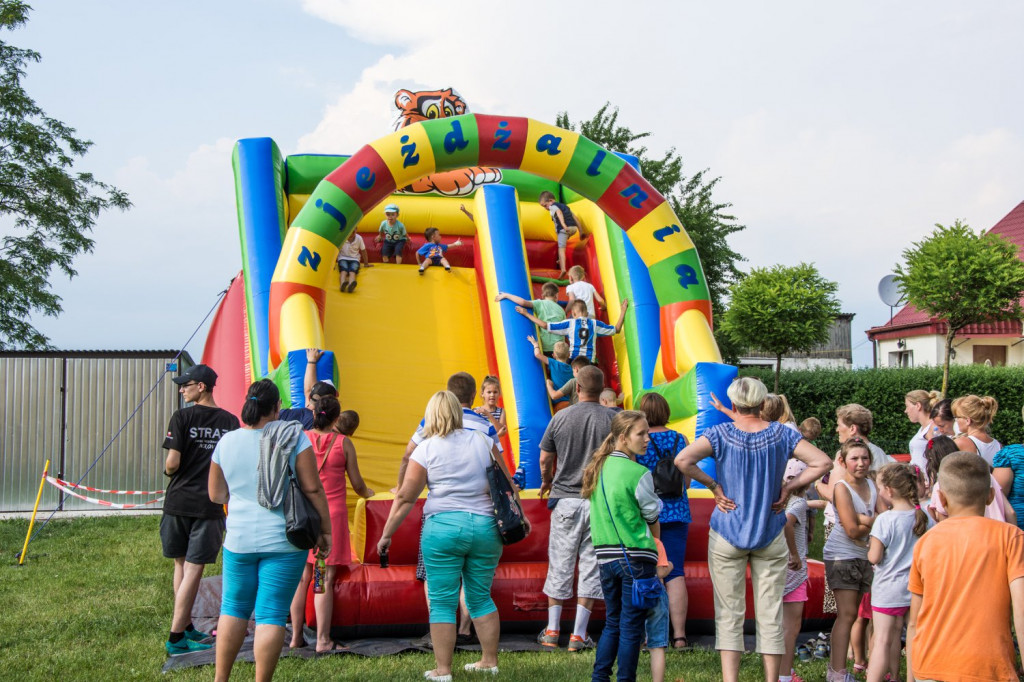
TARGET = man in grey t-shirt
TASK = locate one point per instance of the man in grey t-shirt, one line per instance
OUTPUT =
(567, 445)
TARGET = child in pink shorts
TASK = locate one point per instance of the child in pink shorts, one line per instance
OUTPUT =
(891, 550)
(795, 593)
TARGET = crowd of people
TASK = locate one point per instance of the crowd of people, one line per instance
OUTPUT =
(902, 540)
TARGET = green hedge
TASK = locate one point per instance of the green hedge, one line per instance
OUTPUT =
(818, 392)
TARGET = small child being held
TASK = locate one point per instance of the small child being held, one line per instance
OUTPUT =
(795, 593)
(583, 290)
(658, 619)
(565, 225)
(433, 250)
(351, 253)
(891, 549)
(959, 630)
(490, 391)
(810, 429)
(609, 399)
(348, 422)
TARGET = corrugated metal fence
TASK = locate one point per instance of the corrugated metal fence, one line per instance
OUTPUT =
(82, 399)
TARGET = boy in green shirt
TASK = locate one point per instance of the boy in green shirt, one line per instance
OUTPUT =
(545, 308)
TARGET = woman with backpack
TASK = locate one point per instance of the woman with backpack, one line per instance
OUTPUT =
(670, 485)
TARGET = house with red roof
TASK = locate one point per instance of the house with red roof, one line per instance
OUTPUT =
(914, 338)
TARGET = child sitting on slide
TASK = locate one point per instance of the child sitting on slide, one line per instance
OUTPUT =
(392, 233)
(433, 251)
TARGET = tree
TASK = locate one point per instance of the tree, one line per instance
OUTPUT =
(781, 310)
(706, 219)
(47, 209)
(962, 278)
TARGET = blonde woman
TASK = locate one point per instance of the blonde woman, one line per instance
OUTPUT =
(918, 408)
(460, 542)
(974, 414)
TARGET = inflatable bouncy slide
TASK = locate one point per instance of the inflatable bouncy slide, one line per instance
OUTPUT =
(395, 340)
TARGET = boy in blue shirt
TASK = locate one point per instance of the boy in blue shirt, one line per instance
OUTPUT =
(433, 250)
(582, 331)
(559, 369)
(392, 233)
(565, 225)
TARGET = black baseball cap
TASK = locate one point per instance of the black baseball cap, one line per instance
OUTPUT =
(198, 374)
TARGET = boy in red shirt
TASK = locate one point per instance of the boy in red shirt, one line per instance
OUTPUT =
(965, 583)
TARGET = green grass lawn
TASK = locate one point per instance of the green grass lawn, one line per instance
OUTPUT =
(93, 602)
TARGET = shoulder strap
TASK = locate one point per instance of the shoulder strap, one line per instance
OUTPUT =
(327, 452)
(611, 517)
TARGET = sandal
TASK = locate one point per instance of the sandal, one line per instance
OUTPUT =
(686, 643)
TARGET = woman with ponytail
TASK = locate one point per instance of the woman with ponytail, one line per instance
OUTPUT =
(891, 549)
(623, 524)
(335, 458)
(974, 414)
(918, 408)
(250, 473)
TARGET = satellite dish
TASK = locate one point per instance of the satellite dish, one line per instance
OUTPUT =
(890, 292)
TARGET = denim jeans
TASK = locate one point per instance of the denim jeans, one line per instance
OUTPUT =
(623, 624)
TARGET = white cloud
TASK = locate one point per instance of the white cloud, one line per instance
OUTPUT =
(167, 255)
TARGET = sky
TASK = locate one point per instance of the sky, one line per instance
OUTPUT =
(841, 132)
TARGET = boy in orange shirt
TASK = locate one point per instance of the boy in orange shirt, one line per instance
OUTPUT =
(966, 580)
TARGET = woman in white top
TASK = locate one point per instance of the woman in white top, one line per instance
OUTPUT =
(919, 410)
(973, 416)
(846, 551)
(460, 542)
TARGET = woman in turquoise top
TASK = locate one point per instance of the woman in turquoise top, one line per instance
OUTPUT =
(261, 568)
(1009, 471)
(748, 520)
(675, 514)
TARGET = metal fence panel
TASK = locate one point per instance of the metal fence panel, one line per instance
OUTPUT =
(103, 393)
(103, 390)
(29, 428)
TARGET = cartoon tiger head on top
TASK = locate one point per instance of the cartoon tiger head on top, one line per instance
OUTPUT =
(425, 105)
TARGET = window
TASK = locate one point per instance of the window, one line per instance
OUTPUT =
(901, 358)
(993, 356)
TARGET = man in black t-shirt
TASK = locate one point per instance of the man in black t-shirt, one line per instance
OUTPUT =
(192, 527)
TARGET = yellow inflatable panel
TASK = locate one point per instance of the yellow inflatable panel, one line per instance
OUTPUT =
(407, 153)
(694, 340)
(300, 323)
(659, 235)
(543, 139)
(315, 253)
(426, 328)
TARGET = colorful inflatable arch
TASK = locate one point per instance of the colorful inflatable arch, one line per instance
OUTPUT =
(299, 285)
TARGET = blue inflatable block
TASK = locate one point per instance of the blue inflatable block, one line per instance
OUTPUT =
(297, 374)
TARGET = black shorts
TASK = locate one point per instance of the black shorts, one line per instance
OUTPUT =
(198, 540)
(392, 248)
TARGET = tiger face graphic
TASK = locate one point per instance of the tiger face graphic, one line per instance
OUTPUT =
(426, 105)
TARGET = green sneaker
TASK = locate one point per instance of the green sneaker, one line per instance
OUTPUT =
(197, 635)
(184, 646)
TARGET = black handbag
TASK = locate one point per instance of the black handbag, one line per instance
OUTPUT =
(646, 592)
(508, 512)
(301, 519)
(668, 479)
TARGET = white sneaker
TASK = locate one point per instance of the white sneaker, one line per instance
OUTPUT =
(431, 675)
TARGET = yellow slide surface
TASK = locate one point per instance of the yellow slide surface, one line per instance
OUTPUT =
(425, 328)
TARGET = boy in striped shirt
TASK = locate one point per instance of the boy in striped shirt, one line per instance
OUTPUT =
(580, 330)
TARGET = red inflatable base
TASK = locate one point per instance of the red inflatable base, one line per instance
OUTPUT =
(373, 601)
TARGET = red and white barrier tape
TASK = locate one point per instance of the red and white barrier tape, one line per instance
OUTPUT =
(109, 492)
(92, 500)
